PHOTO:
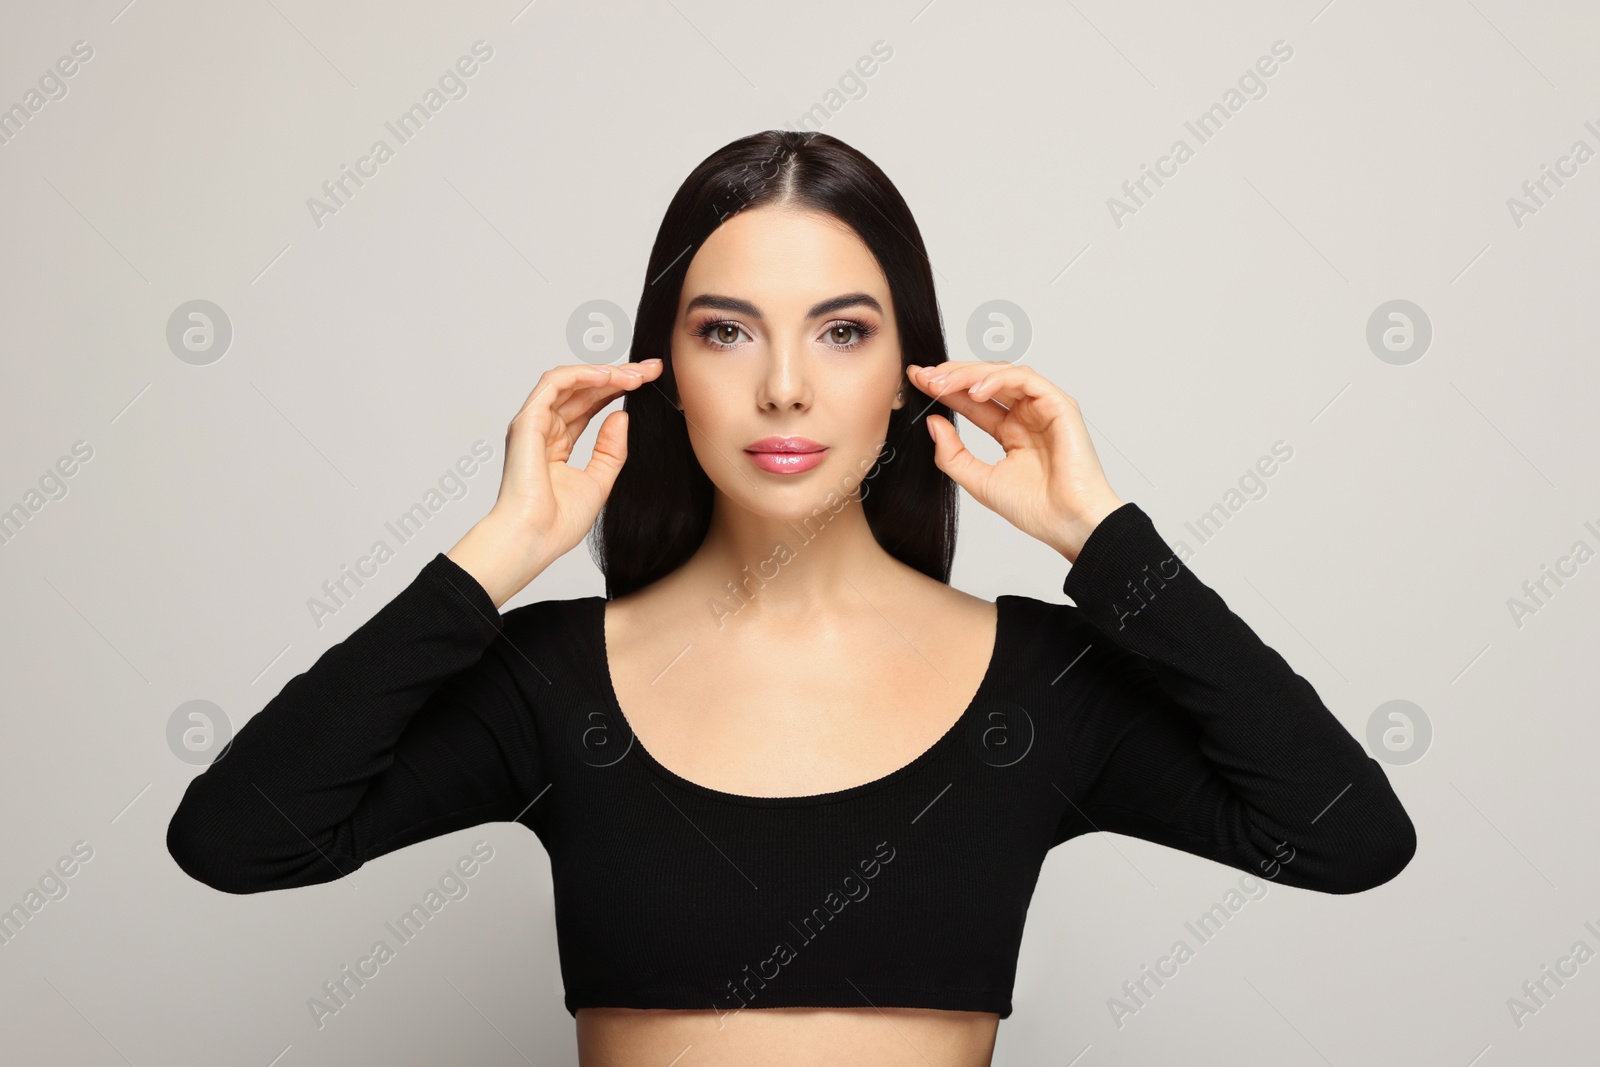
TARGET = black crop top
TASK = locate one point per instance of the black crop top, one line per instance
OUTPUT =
(1149, 709)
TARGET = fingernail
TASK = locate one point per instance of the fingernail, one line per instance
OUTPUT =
(652, 359)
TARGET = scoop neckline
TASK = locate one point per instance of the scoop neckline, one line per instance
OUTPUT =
(985, 684)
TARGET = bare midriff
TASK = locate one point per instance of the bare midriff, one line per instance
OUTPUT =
(786, 1037)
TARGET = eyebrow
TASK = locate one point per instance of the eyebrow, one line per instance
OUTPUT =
(744, 307)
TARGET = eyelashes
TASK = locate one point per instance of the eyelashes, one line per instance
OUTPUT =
(864, 332)
(705, 329)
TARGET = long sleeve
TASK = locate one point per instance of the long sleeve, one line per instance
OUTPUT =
(409, 728)
(1196, 735)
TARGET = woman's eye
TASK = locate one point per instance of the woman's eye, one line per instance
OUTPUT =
(727, 334)
(720, 334)
(839, 334)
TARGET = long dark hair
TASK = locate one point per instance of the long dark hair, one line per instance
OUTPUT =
(659, 510)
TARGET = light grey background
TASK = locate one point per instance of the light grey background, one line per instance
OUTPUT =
(368, 354)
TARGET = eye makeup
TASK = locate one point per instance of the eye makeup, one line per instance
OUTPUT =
(704, 332)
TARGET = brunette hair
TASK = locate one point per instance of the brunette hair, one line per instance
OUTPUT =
(659, 510)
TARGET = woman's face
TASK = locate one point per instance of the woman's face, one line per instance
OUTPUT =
(786, 329)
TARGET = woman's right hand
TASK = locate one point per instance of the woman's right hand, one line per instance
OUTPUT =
(545, 506)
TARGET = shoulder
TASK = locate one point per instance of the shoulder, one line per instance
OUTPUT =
(918, 592)
(546, 631)
(956, 605)
(1060, 643)
(1043, 626)
(1036, 612)
(546, 615)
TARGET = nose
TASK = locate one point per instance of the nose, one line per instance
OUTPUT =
(785, 384)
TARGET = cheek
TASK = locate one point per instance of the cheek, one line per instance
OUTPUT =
(859, 418)
(703, 389)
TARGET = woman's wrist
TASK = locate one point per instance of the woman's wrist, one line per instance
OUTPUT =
(501, 559)
(1074, 534)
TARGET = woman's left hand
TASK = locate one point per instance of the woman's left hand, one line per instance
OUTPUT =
(1050, 484)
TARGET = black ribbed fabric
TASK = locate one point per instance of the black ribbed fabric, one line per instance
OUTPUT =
(1148, 709)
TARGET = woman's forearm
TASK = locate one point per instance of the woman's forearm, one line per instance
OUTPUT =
(503, 560)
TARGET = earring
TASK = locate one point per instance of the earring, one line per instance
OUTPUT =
(901, 395)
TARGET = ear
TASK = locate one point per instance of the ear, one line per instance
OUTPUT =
(900, 397)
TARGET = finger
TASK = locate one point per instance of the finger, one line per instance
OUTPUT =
(617, 378)
(628, 378)
(557, 383)
(566, 392)
(585, 401)
(952, 457)
(610, 452)
(986, 415)
(1003, 382)
(536, 434)
(923, 377)
(944, 379)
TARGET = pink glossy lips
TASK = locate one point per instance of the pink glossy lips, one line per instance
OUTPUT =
(786, 455)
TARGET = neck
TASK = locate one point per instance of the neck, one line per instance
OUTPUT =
(820, 560)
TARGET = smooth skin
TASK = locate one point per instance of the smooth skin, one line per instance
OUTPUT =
(846, 665)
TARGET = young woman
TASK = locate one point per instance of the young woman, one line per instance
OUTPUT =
(795, 789)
